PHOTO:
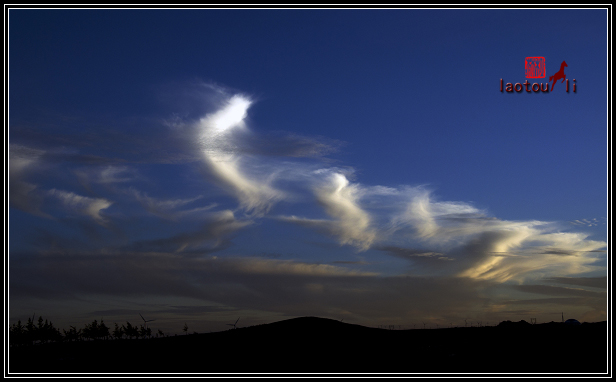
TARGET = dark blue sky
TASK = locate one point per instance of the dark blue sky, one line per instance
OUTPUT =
(374, 141)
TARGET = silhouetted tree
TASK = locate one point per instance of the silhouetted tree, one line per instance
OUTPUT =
(185, 329)
(48, 333)
(17, 334)
(102, 331)
(45, 332)
(131, 331)
(38, 331)
(95, 330)
(89, 330)
(160, 333)
(118, 331)
(30, 331)
(143, 332)
(73, 334)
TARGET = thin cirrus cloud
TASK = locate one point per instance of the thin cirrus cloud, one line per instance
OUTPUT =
(138, 273)
(453, 244)
(488, 248)
(213, 235)
(217, 133)
(82, 205)
(292, 287)
(27, 162)
(588, 222)
(474, 244)
(168, 208)
(593, 282)
(107, 175)
(404, 220)
(24, 194)
(558, 291)
(339, 198)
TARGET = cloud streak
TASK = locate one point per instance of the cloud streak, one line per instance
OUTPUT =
(455, 250)
(167, 208)
(211, 236)
(217, 142)
(266, 285)
(339, 198)
(23, 194)
(82, 205)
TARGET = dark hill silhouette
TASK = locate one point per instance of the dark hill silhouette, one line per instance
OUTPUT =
(513, 325)
(318, 345)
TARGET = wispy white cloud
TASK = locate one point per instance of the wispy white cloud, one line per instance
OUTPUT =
(439, 221)
(212, 235)
(588, 222)
(167, 208)
(22, 193)
(340, 199)
(404, 219)
(106, 175)
(82, 204)
(488, 248)
(414, 254)
(22, 157)
(217, 131)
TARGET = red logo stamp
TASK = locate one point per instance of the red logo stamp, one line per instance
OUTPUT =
(535, 67)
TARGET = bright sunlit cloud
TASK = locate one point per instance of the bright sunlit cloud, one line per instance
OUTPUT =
(217, 142)
(444, 243)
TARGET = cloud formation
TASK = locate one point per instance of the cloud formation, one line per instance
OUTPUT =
(167, 208)
(211, 236)
(23, 194)
(339, 199)
(82, 204)
(161, 234)
(217, 141)
(266, 285)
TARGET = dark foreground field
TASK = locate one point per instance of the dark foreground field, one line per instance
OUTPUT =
(317, 345)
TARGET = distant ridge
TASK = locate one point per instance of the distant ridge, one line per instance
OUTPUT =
(322, 345)
(307, 324)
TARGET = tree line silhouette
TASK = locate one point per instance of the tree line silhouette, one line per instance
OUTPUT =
(44, 332)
